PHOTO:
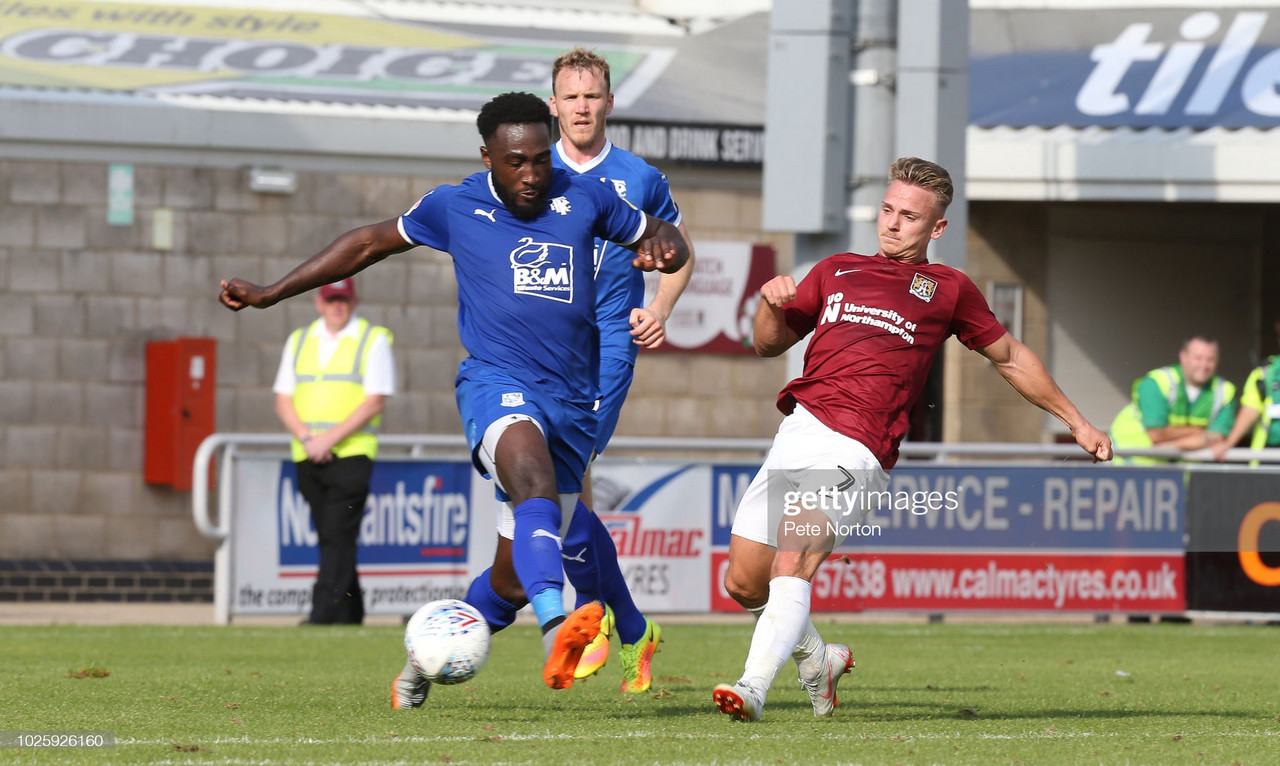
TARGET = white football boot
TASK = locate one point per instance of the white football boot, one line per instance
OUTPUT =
(821, 685)
(410, 689)
(740, 701)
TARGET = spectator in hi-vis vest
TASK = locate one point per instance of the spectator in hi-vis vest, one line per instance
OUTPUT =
(334, 376)
(1258, 410)
(1186, 405)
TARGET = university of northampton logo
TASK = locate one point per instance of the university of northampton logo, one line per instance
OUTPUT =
(543, 269)
(923, 288)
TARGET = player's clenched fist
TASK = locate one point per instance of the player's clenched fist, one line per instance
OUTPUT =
(779, 291)
(237, 293)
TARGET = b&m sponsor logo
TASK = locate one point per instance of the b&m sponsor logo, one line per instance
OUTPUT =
(416, 513)
(543, 269)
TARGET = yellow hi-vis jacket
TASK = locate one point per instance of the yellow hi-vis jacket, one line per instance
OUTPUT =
(1260, 394)
(325, 397)
(1128, 431)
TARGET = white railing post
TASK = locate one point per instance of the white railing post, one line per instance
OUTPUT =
(223, 572)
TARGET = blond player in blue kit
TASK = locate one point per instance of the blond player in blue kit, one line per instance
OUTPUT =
(581, 101)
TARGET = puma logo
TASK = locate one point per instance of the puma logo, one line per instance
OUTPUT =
(579, 558)
(545, 533)
(487, 214)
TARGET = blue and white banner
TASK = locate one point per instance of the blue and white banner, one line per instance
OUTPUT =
(429, 527)
(1020, 508)
(427, 530)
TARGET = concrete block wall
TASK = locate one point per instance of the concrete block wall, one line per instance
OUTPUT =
(83, 297)
(710, 395)
(1007, 243)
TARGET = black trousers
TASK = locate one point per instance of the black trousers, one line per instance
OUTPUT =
(336, 492)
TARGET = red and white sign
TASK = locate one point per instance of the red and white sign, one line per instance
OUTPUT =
(716, 311)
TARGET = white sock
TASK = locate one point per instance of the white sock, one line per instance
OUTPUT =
(809, 646)
(777, 631)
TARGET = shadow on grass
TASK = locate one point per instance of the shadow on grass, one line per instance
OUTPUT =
(916, 689)
(976, 714)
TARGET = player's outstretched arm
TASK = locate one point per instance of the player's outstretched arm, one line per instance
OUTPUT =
(1025, 372)
(660, 248)
(649, 324)
(771, 334)
(351, 252)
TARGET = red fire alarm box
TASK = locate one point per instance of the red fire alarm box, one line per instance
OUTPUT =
(181, 381)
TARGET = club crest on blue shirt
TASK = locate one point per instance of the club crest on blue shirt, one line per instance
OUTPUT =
(543, 269)
(923, 288)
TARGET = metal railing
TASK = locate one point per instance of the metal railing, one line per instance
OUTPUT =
(225, 447)
(411, 446)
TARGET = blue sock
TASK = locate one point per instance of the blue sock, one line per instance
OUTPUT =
(579, 557)
(535, 551)
(497, 611)
(627, 616)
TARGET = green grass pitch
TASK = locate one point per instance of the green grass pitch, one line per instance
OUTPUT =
(922, 693)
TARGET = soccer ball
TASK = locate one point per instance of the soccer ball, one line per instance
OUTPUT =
(447, 641)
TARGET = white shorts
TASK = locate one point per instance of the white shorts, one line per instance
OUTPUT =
(809, 457)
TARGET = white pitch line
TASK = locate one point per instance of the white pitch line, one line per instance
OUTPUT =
(770, 732)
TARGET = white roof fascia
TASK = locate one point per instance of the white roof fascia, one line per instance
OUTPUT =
(1068, 164)
(35, 118)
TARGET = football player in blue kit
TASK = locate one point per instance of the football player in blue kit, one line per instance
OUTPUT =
(581, 101)
(521, 237)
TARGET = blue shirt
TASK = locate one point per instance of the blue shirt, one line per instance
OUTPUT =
(619, 286)
(526, 296)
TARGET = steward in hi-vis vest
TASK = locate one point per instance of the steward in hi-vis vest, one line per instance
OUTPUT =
(1261, 391)
(325, 395)
(334, 376)
(1259, 410)
(1184, 405)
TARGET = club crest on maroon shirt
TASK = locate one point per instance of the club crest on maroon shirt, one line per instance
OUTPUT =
(923, 288)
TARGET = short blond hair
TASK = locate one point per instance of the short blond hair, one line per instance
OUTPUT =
(929, 176)
(584, 59)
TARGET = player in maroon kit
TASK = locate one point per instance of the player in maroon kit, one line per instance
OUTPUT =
(877, 323)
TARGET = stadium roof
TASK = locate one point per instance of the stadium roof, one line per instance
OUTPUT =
(1069, 99)
(1080, 99)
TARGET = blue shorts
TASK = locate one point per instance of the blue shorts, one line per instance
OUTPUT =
(486, 396)
(615, 380)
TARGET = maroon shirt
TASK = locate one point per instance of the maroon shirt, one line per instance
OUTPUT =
(877, 325)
